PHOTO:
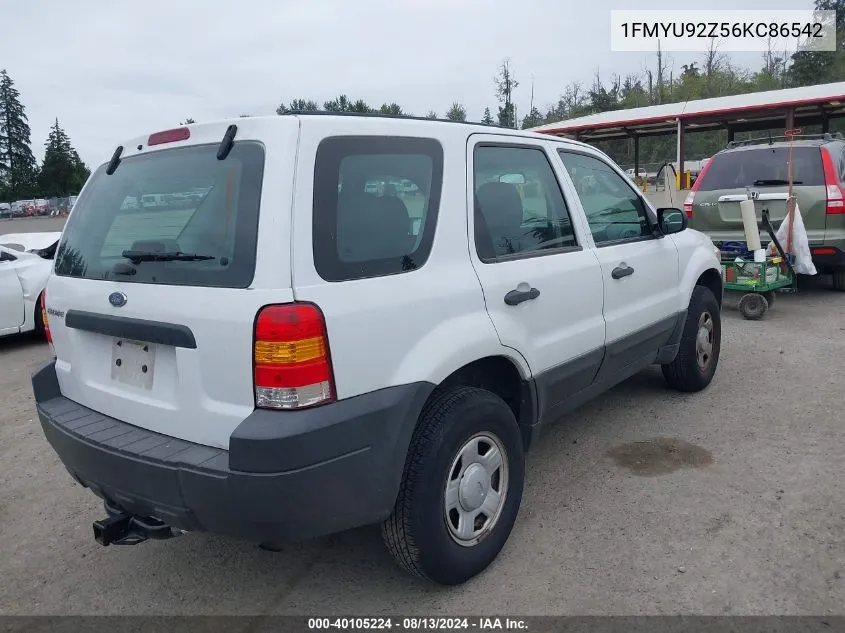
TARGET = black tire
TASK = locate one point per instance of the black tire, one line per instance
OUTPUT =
(839, 279)
(39, 318)
(416, 533)
(684, 373)
(770, 295)
(753, 306)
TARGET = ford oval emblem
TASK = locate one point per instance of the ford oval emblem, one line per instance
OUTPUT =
(117, 299)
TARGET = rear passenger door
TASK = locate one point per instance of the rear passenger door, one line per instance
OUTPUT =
(639, 268)
(542, 285)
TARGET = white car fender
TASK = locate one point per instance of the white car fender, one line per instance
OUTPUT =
(33, 272)
(696, 255)
(452, 344)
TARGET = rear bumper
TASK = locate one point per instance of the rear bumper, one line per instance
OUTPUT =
(827, 256)
(287, 475)
(824, 255)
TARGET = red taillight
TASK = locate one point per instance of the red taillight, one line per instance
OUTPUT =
(169, 136)
(824, 251)
(44, 320)
(691, 195)
(291, 355)
(835, 195)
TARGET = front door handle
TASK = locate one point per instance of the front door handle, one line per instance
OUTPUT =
(623, 270)
(515, 297)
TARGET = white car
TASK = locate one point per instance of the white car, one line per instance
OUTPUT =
(297, 355)
(25, 263)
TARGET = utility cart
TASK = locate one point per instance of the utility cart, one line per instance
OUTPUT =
(757, 280)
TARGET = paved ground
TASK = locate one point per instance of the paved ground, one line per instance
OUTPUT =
(737, 507)
(31, 225)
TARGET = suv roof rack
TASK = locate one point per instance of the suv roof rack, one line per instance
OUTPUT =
(382, 115)
(827, 136)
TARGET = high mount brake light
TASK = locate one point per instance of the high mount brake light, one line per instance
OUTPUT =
(169, 136)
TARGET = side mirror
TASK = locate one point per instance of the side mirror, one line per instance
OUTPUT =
(671, 220)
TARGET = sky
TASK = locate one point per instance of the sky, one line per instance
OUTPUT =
(114, 69)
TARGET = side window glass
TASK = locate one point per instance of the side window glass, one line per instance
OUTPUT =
(519, 207)
(614, 211)
(375, 205)
(842, 168)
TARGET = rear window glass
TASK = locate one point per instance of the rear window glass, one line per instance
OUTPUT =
(764, 166)
(142, 223)
(375, 205)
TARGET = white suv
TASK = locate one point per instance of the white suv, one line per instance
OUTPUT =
(346, 320)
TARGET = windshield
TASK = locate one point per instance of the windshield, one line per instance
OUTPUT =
(762, 167)
(170, 203)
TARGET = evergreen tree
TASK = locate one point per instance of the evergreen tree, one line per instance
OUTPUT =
(457, 112)
(506, 83)
(18, 170)
(393, 109)
(488, 118)
(62, 173)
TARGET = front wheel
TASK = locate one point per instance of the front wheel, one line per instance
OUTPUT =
(698, 352)
(461, 488)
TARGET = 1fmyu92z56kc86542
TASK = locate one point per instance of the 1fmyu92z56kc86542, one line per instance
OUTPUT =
(278, 328)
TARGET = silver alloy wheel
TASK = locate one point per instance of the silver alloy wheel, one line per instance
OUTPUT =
(704, 341)
(475, 490)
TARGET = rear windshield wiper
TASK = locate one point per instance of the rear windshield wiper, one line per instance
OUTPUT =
(162, 256)
(775, 182)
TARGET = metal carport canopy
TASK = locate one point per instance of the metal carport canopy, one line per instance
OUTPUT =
(770, 109)
(810, 104)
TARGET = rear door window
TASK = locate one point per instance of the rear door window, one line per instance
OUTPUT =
(762, 167)
(375, 205)
(147, 221)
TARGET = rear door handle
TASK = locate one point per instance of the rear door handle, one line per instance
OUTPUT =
(623, 270)
(515, 297)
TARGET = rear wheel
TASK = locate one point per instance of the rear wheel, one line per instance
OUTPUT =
(698, 352)
(770, 295)
(461, 487)
(753, 306)
(839, 279)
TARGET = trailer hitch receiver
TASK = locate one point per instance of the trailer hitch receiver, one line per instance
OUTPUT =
(128, 529)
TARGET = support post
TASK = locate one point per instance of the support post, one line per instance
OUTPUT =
(790, 118)
(681, 154)
(636, 156)
(731, 133)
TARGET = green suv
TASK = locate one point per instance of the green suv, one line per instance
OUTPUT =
(761, 166)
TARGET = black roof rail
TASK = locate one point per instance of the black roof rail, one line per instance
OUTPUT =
(827, 136)
(381, 115)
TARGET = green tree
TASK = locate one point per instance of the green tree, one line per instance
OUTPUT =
(506, 83)
(62, 173)
(532, 119)
(811, 67)
(360, 106)
(187, 121)
(393, 109)
(431, 115)
(340, 104)
(18, 170)
(298, 105)
(487, 119)
(457, 112)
